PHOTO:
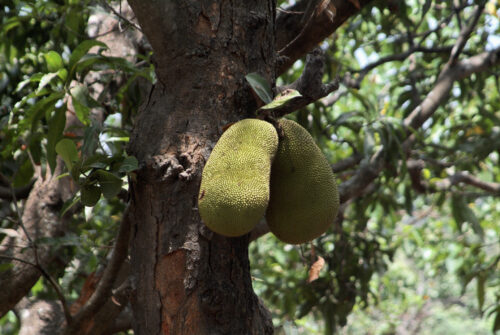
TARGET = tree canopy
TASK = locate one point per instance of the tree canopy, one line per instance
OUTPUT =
(402, 97)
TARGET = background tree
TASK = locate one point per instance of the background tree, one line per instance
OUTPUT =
(411, 129)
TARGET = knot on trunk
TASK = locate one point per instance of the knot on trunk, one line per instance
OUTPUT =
(168, 167)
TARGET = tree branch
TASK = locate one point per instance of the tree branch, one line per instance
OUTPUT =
(115, 310)
(309, 84)
(464, 35)
(330, 100)
(40, 219)
(466, 178)
(347, 163)
(368, 171)
(391, 58)
(297, 34)
(415, 168)
(447, 77)
(120, 16)
(371, 168)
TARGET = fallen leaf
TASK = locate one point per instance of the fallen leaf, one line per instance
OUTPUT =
(315, 269)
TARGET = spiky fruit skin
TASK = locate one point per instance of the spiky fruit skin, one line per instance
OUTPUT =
(304, 198)
(234, 191)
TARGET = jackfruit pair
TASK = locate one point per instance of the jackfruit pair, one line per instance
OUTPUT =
(251, 173)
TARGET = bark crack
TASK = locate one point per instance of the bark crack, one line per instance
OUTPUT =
(156, 264)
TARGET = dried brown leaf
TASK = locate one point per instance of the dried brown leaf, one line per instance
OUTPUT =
(315, 269)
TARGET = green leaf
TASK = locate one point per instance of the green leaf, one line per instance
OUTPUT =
(368, 142)
(82, 112)
(282, 99)
(36, 112)
(463, 213)
(426, 173)
(69, 204)
(38, 287)
(63, 74)
(55, 133)
(90, 139)
(82, 102)
(496, 323)
(260, 86)
(481, 281)
(111, 185)
(456, 203)
(54, 61)
(91, 62)
(99, 62)
(81, 50)
(342, 119)
(90, 195)
(76, 170)
(117, 139)
(129, 164)
(66, 148)
(24, 174)
(96, 161)
(35, 147)
(11, 23)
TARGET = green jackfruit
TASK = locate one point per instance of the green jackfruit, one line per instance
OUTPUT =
(234, 191)
(304, 198)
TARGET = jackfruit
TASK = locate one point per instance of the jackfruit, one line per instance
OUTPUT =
(234, 191)
(304, 198)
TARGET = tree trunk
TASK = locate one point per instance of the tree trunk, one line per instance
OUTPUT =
(188, 279)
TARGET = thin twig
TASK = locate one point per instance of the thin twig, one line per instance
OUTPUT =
(347, 163)
(52, 282)
(105, 4)
(349, 82)
(466, 178)
(465, 35)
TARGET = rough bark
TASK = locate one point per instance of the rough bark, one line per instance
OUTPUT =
(39, 220)
(40, 317)
(188, 279)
